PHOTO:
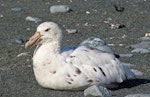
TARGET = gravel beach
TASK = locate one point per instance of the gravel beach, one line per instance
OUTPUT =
(119, 23)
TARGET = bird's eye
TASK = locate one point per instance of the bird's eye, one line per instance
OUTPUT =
(47, 29)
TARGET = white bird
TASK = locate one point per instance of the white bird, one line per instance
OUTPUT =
(75, 69)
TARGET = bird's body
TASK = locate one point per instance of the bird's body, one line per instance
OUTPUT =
(75, 69)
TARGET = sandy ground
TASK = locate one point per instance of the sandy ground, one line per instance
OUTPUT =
(16, 74)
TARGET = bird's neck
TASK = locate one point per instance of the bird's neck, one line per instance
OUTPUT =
(52, 47)
(47, 52)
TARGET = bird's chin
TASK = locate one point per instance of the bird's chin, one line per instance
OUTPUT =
(36, 38)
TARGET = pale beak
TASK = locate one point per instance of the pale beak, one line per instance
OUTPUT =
(33, 40)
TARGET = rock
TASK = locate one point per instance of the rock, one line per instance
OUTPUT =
(125, 55)
(23, 54)
(127, 64)
(143, 44)
(119, 8)
(97, 91)
(138, 95)
(59, 8)
(87, 12)
(147, 35)
(19, 40)
(17, 9)
(0, 78)
(1, 15)
(33, 19)
(71, 31)
(142, 47)
(2, 4)
(140, 50)
(145, 38)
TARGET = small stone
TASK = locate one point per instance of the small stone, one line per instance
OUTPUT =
(1, 15)
(125, 55)
(59, 8)
(0, 78)
(29, 66)
(17, 9)
(71, 31)
(147, 35)
(23, 54)
(97, 91)
(140, 50)
(19, 40)
(108, 19)
(33, 19)
(145, 38)
(127, 64)
(87, 12)
(121, 44)
(111, 44)
(119, 8)
(116, 26)
(138, 95)
(121, 26)
(2, 4)
(143, 44)
(28, 29)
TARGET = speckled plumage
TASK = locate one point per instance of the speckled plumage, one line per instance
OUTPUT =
(74, 69)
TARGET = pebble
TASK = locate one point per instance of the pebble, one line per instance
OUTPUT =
(19, 40)
(29, 66)
(87, 12)
(138, 95)
(111, 44)
(145, 38)
(59, 8)
(143, 44)
(71, 31)
(23, 54)
(127, 64)
(17, 9)
(142, 47)
(2, 4)
(0, 78)
(125, 55)
(1, 15)
(119, 8)
(140, 50)
(147, 35)
(33, 19)
(97, 91)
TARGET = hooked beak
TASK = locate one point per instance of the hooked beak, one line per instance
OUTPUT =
(33, 40)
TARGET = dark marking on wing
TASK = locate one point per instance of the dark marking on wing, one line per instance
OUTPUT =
(68, 75)
(90, 80)
(78, 71)
(74, 75)
(102, 71)
(72, 56)
(95, 69)
(71, 79)
(53, 72)
(86, 50)
(69, 82)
